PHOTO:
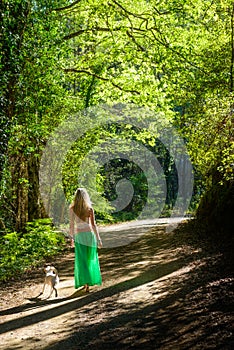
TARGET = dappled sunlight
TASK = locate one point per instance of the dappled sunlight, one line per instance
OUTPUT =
(148, 294)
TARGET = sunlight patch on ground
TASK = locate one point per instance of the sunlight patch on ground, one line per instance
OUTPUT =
(184, 270)
(137, 278)
(149, 292)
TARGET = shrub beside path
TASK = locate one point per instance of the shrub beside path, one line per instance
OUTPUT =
(162, 291)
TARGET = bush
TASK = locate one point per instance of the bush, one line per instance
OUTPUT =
(20, 251)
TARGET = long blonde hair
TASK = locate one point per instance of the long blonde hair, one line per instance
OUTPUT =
(81, 203)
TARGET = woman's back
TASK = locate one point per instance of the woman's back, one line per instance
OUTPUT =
(84, 224)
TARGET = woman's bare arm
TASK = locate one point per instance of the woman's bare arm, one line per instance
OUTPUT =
(71, 225)
(94, 226)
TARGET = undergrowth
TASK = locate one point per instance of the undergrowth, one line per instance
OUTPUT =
(21, 251)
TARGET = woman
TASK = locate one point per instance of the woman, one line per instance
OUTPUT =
(84, 232)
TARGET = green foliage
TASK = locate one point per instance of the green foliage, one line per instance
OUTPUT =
(210, 138)
(81, 169)
(20, 251)
(175, 57)
(33, 100)
(167, 55)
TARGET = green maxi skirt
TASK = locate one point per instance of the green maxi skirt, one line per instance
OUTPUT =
(87, 268)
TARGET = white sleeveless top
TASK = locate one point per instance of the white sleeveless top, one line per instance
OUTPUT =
(81, 229)
(81, 225)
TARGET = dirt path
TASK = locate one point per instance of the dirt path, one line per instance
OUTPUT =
(159, 292)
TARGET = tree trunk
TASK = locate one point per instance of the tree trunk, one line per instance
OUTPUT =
(25, 190)
(19, 176)
(36, 208)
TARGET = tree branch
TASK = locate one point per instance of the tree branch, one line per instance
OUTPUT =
(135, 42)
(98, 29)
(73, 35)
(84, 71)
(101, 29)
(67, 7)
(128, 12)
(166, 44)
(161, 13)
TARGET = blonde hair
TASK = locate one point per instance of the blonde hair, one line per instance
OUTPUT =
(81, 203)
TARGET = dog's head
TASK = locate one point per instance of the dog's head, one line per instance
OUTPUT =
(49, 268)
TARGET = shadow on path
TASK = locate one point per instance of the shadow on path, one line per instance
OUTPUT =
(158, 293)
(75, 301)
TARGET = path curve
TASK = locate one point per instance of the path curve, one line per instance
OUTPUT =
(152, 297)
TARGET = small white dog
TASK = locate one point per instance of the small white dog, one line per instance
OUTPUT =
(51, 279)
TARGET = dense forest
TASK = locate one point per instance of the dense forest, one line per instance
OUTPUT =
(160, 64)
